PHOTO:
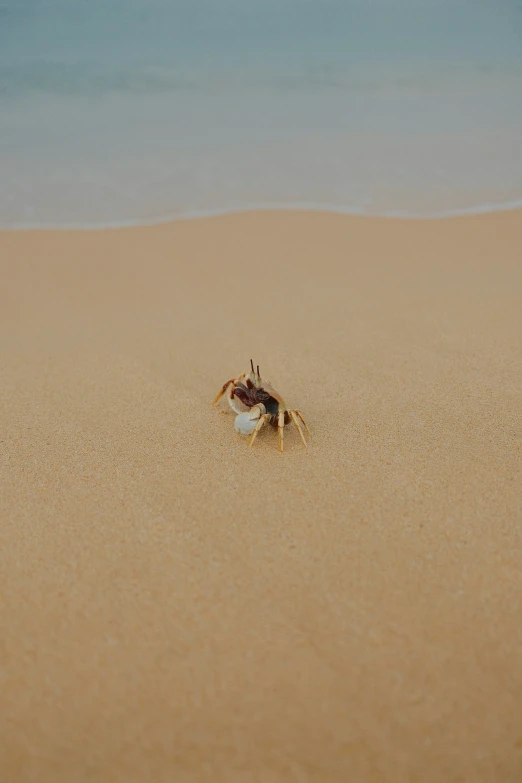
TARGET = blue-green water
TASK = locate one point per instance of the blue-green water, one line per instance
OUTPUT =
(115, 111)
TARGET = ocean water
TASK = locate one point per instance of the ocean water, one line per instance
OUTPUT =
(131, 111)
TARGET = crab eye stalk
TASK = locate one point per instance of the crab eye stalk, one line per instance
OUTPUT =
(252, 365)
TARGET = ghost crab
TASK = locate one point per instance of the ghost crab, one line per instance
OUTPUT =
(264, 404)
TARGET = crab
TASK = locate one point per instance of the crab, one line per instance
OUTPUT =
(264, 405)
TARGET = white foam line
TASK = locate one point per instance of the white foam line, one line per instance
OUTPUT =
(479, 209)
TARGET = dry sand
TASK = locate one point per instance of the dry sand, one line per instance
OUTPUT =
(179, 607)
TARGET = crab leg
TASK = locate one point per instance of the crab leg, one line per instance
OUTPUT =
(293, 416)
(231, 390)
(298, 413)
(258, 426)
(281, 429)
(229, 387)
(222, 391)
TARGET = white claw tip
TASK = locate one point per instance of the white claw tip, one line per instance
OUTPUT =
(244, 424)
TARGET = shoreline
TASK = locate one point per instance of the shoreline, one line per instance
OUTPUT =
(179, 606)
(481, 209)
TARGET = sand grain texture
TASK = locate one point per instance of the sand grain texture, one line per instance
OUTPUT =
(176, 606)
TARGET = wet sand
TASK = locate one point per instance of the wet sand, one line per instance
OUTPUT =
(176, 606)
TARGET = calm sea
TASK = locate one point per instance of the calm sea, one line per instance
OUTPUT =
(122, 111)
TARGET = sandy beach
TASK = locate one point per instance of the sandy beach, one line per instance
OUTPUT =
(176, 606)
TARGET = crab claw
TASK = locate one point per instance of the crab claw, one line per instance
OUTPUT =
(245, 423)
